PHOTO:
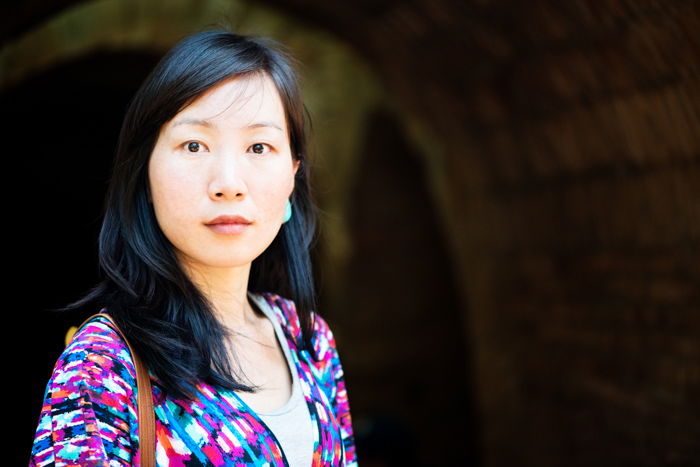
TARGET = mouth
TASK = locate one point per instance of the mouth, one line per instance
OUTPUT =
(229, 225)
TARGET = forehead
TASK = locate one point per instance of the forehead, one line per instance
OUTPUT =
(238, 101)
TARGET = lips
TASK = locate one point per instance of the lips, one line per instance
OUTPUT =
(229, 225)
(229, 220)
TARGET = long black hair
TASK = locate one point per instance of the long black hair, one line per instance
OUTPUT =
(166, 318)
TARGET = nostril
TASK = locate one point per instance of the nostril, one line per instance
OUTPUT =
(221, 195)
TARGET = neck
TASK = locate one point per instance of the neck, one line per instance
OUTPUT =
(227, 291)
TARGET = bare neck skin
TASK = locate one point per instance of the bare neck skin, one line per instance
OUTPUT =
(227, 291)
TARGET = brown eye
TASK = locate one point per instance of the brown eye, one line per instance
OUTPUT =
(193, 146)
(259, 148)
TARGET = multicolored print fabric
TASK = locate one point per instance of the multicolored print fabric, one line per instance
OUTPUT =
(89, 415)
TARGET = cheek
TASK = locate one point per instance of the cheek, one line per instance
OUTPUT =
(171, 194)
(272, 195)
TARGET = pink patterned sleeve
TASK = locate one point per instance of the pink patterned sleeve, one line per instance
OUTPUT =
(88, 412)
(335, 385)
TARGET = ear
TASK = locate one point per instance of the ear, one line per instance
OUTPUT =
(295, 164)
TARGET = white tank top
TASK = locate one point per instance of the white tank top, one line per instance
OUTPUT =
(291, 423)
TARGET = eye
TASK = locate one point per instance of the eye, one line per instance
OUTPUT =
(258, 148)
(193, 146)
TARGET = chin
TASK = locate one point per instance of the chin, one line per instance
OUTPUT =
(220, 261)
(224, 257)
(229, 262)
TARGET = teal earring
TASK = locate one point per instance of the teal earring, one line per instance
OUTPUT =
(287, 212)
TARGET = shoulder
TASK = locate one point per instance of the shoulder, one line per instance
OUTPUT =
(96, 359)
(89, 404)
(286, 311)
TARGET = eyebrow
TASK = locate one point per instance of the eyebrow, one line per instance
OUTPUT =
(209, 124)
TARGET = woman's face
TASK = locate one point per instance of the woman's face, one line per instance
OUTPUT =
(226, 154)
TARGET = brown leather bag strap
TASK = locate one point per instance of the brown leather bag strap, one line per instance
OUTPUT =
(146, 414)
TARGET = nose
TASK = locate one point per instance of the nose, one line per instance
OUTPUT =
(226, 179)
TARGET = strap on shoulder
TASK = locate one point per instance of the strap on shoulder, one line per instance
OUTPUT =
(147, 423)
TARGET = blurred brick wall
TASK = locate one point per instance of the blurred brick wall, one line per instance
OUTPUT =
(568, 138)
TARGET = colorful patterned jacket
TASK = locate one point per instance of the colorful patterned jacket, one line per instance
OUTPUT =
(89, 411)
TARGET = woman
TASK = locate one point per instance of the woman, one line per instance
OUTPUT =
(207, 227)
